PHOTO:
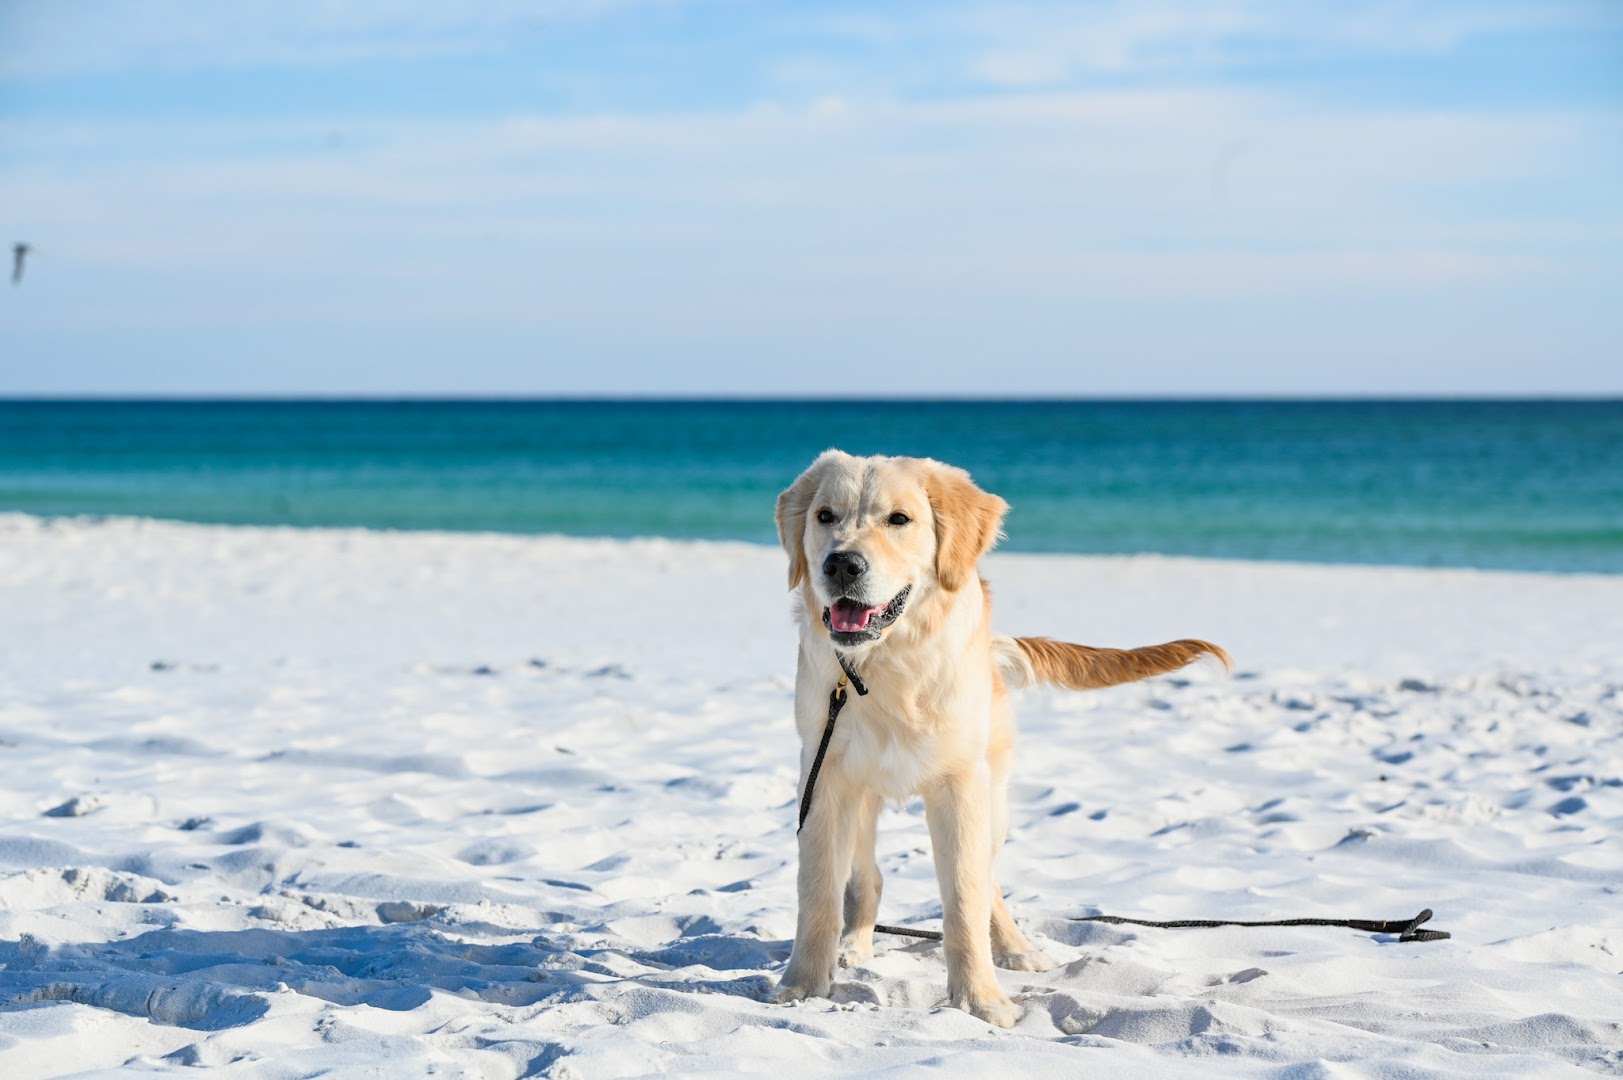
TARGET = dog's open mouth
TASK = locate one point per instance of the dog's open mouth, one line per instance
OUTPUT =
(850, 622)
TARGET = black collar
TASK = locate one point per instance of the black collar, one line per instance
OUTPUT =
(850, 673)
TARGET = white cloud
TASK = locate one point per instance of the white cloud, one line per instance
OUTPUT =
(1038, 195)
(947, 226)
(1050, 44)
(1018, 44)
(58, 37)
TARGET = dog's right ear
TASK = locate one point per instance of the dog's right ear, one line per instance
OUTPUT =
(968, 521)
(793, 505)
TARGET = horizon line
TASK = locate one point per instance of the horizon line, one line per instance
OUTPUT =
(809, 399)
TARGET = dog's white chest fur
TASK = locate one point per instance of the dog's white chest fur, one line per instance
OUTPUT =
(881, 753)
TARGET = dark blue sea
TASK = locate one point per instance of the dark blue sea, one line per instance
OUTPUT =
(1531, 485)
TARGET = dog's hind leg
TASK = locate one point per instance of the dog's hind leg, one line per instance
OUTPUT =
(1010, 948)
(863, 889)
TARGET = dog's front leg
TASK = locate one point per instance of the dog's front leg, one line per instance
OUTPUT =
(826, 844)
(957, 810)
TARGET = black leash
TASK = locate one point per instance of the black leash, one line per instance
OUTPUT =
(1406, 929)
(836, 702)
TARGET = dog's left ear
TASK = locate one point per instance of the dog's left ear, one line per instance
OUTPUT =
(793, 505)
(968, 521)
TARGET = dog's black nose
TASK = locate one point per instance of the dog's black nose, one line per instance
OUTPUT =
(844, 567)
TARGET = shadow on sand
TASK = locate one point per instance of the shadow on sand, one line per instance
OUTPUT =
(212, 980)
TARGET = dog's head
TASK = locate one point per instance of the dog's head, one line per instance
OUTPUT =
(867, 536)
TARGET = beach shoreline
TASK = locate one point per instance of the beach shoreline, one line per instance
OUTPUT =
(1513, 484)
(523, 805)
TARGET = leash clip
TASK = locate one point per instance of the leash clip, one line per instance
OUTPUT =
(848, 675)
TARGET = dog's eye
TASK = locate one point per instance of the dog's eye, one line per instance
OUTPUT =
(825, 516)
(899, 518)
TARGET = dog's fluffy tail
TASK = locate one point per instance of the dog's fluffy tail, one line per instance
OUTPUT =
(1028, 661)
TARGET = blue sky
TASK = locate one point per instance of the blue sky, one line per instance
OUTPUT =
(736, 198)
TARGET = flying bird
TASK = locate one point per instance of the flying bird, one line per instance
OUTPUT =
(1223, 163)
(19, 252)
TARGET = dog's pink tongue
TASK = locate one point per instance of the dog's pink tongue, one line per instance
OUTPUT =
(850, 619)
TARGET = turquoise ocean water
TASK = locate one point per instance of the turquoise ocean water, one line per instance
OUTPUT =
(1518, 485)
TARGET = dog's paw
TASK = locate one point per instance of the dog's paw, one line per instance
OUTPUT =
(1030, 960)
(998, 1011)
(856, 949)
(797, 991)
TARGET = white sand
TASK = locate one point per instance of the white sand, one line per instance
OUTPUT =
(363, 804)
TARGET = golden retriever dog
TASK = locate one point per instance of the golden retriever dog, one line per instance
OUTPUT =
(884, 553)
